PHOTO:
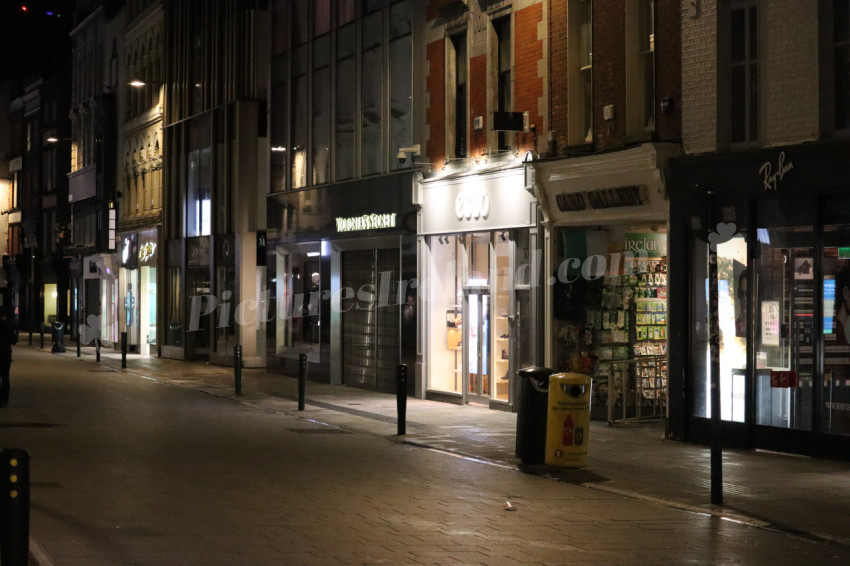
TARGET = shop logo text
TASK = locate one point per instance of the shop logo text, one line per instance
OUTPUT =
(366, 222)
(771, 178)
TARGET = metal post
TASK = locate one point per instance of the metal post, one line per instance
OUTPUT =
(401, 399)
(14, 507)
(97, 348)
(42, 335)
(302, 380)
(714, 355)
(124, 349)
(79, 336)
(237, 368)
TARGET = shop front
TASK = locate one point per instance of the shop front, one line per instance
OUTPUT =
(341, 268)
(607, 267)
(99, 300)
(138, 290)
(779, 221)
(479, 271)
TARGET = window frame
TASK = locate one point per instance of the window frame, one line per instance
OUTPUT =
(747, 63)
(580, 72)
(457, 94)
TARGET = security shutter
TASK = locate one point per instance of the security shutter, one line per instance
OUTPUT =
(370, 327)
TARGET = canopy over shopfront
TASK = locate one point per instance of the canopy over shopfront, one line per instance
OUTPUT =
(626, 185)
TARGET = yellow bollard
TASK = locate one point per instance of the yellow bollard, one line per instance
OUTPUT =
(568, 422)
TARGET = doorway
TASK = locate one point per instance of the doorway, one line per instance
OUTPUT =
(476, 359)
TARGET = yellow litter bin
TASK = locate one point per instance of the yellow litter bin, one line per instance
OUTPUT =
(568, 423)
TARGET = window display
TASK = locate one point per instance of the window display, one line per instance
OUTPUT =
(470, 317)
(610, 306)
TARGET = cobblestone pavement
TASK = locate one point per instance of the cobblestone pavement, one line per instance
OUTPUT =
(332, 489)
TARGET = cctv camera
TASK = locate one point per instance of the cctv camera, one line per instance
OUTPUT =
(403, 151)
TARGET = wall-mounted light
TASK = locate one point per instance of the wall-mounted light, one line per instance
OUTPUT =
(139, 83)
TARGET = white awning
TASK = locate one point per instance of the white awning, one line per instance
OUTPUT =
(626, 185)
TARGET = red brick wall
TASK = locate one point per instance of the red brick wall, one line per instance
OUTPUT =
(435, 114)
(558, 83)
(609, 72)
(528, 87)
(478, 103)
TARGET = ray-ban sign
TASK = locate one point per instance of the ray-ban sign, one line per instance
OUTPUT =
(772, 176)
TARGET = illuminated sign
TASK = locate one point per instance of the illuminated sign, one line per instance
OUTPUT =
(146, 251)
(366, 222)
(471, 205)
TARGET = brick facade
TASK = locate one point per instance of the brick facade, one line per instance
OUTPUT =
(529, 72)
(699, 79)
(435, 114)
(528, 82)
(668, 70)
(789, 72)
(478, 103)
(558, 65)
(609, 73)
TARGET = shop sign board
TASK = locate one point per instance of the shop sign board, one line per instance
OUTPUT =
(477, 202)
(772, 173)
(653, 244)
(147, 247)
(366, 222)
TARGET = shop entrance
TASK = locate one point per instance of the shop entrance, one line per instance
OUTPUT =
(476, 355)
(370, 328)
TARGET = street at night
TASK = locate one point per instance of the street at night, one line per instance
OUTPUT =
(566, 282)
(155, 466)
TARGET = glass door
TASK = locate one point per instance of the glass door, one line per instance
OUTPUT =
(784, 330)
(834, 391)
(476, 355)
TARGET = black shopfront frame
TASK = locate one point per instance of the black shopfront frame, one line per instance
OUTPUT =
(366, 214)
(808, 184)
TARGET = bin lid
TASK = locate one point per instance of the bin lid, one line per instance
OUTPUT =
(535, 371)
(573, 384)
(537, 377)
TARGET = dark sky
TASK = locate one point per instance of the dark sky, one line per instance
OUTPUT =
(32, 41)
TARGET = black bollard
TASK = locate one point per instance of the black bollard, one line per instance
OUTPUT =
(123, 349)
(401, 399)
(237, 368)
(79, 338)
(42, 336)
(302, 380)
(97, 349)
(14, 507)
(58, 337)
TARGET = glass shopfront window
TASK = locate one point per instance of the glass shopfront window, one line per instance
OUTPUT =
(446, 314)
(784, 326)
(609, 302)
(835, 387)
(299, 295)
(732, 286)
(784, 291)
(473, 345)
